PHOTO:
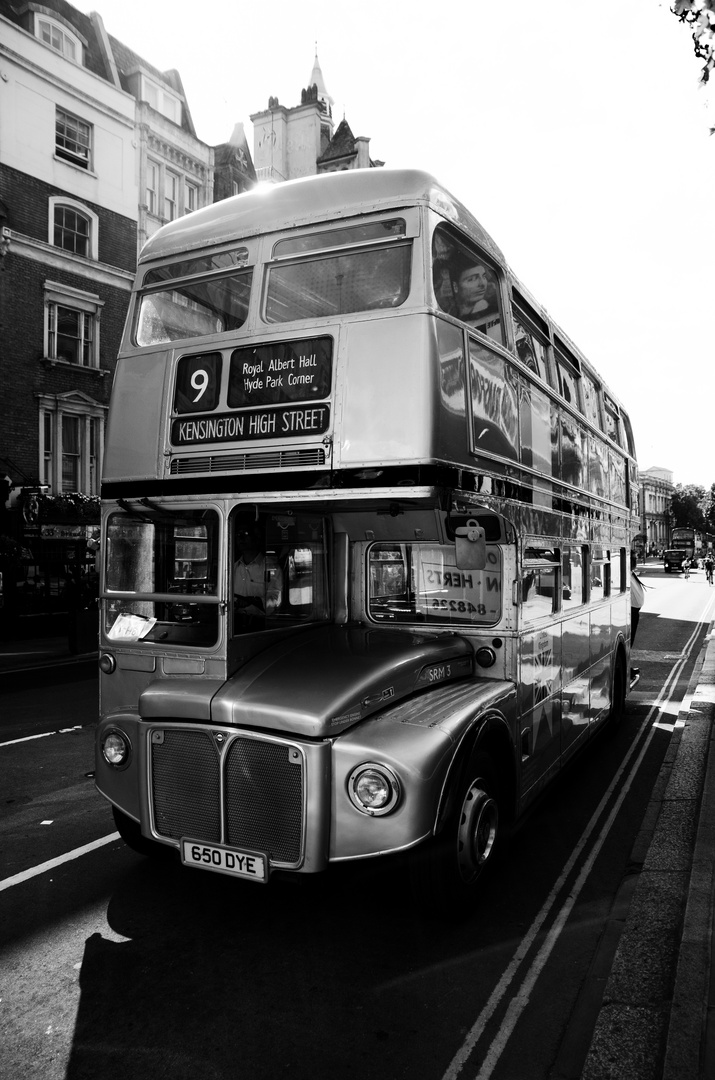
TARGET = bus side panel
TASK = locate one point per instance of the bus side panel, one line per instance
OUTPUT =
(135, 428)
(388, 411)
(602, 639)
(575, 695)
(540, 706)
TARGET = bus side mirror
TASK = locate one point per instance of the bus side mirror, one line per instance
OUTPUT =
(471, 546)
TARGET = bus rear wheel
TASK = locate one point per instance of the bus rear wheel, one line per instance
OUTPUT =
(449, 871)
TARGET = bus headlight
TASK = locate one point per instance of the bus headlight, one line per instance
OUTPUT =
(374, 789)
(116, 749)
(107, 663)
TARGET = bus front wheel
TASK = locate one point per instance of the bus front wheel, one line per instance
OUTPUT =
(449, 871)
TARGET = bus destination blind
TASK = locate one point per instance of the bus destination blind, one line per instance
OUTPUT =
(277, 388)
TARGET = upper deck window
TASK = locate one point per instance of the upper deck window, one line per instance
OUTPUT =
(337, 284)
(613, 420)
(569, 379)
(466, 283)
(348, 236)
(213, 305)
(202, 264)
(531, 336)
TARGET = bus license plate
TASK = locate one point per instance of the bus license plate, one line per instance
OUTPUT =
(242, 864)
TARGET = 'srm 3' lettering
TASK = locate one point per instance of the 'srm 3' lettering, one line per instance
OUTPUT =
(438, 673)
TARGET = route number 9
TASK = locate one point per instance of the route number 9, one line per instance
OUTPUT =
(198, 380)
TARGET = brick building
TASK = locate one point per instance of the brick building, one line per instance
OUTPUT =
(98, 150)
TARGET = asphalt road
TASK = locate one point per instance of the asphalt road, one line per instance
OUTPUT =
(117, 967)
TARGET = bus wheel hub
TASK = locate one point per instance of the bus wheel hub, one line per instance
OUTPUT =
(476, 836)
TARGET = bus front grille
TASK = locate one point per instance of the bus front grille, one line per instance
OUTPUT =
(308, 457)
(262, 787)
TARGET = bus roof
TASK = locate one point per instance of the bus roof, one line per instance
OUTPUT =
(311, 199)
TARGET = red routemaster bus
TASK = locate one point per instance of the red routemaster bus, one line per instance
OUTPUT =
(367, 517)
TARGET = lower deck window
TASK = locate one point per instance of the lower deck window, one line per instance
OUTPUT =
(422, 583)
(161, 577)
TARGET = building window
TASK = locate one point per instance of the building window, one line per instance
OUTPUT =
(71, 230)
(71, 335)
(47, 445)
(171, 195)
(152, 187)
(58, 38)
(73, 227)
(73, 139)
(191, 197)
(71, 325)
(162, 100)
(71, 432)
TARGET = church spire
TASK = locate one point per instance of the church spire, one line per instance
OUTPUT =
(316, 79)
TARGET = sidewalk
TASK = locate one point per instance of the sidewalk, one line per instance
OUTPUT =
(40, 653)
(657, 1016)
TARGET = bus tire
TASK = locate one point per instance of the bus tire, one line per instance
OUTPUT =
(448, 872)
(130, 833)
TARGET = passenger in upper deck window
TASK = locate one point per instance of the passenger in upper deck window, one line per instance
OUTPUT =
(475, 291)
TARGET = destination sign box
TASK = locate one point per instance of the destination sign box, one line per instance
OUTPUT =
(281, 423)
(280, 372)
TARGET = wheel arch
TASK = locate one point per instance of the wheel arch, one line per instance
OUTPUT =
(488, 734)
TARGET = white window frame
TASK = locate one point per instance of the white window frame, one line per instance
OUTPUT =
(172, 182)
(53, 409)
(89, 304)
(68, 44)
(56, 201)
(79, 160)
(161, 99)
(152, 192)
(191, 196)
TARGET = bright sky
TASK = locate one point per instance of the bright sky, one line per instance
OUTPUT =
(576, 132)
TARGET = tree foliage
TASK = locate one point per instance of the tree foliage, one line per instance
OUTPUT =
(699, 15)
(687, 507)
(708, 508)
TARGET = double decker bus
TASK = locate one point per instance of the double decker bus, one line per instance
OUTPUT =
(688, 542)
(366, 527)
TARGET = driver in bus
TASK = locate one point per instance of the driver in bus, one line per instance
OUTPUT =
(257, 578)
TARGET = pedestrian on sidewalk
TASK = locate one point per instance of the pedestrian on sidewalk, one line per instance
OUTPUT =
(637, 601)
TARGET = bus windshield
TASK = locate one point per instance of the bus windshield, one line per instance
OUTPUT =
(162, 577)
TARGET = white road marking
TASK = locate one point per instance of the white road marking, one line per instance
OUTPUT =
(43, 735)
(35, 871)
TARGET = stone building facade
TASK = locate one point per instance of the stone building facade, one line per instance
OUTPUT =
(656, 487)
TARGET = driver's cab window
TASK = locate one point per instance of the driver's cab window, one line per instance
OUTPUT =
(278, 571)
